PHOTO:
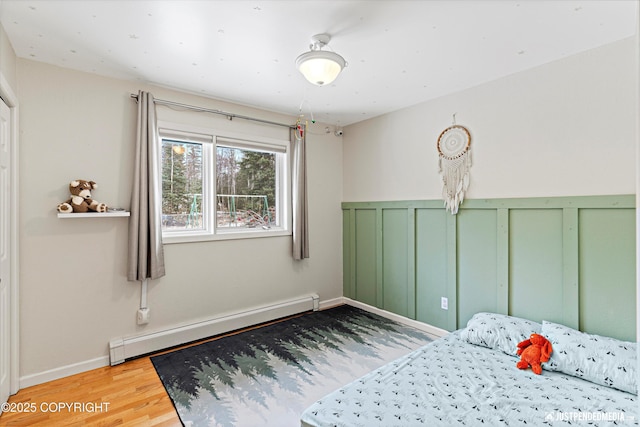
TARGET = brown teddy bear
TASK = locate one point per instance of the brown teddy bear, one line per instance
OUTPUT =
(534, 351)
(81, 200)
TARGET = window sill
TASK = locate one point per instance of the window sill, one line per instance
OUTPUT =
(172, 238)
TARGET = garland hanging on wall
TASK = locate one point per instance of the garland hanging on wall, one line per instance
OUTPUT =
(454, 149)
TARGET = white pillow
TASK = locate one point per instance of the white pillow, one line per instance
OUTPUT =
(499, 331)
(601, 360)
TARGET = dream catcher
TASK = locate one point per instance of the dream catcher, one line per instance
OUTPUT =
(454, 149)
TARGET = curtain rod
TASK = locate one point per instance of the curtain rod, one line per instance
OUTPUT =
(208, 110)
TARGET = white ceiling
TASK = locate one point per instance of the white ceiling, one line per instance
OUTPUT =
(399, 53)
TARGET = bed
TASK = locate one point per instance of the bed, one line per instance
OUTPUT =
(469, 378)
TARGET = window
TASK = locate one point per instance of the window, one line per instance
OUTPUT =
(217, 187)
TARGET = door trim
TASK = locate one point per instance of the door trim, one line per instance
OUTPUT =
(11, 100)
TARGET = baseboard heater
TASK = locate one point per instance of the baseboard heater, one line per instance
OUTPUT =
(122, 349)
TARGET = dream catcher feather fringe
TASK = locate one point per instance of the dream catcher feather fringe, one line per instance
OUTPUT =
(454, 149)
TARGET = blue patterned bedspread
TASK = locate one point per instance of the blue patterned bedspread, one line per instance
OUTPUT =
(453, 383)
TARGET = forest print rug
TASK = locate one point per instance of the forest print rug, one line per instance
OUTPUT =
(269, 375)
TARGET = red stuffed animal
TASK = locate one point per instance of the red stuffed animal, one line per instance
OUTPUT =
(534, 351)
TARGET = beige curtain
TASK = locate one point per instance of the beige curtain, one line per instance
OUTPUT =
(146, 254)
(299, 195)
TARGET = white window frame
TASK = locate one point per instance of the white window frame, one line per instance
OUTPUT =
(210, 139)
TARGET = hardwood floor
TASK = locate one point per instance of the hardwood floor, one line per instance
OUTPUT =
(129, 394)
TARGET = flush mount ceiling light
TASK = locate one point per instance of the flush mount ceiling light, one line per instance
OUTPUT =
(319, 66)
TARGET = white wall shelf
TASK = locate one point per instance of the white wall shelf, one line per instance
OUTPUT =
(94, 214)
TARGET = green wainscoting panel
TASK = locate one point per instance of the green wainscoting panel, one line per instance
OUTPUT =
(535, 264)
(348, 251)
(395, 284)
(431, 266)
(569, 260)
(502, 261)
(570, 268)
(477, 263)
(411, 263)
(452, 272)
(607, 276)
(379, 260)
(366, 259)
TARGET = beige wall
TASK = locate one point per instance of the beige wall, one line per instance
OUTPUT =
(7, 59)
(562, 129)
(74, 294)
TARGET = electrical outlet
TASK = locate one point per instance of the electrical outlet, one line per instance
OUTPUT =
(444, 303)
(143, 316)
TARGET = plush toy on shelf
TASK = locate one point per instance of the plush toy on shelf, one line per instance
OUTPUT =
(80, 200)
(534, 351)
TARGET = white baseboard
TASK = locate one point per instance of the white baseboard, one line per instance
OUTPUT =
(63, 371)
(332, 303)
(425, 327)
(175, 336)
(125, 348)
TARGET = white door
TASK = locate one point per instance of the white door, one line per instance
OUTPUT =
(5, 245)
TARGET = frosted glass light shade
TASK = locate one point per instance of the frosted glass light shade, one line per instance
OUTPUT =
(320, 67)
